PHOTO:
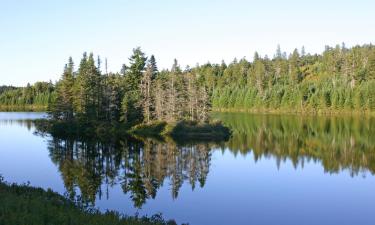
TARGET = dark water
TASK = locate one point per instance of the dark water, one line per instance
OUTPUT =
(274, 170)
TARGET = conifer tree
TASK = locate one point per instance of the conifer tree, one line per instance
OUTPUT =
(131, 107)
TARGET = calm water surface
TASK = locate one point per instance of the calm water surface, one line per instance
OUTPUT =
(273, 170)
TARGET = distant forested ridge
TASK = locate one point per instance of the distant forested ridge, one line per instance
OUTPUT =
(31, 97)
(340, 79)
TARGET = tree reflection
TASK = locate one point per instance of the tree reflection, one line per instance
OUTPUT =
(139, 166)
(337, 142)
(142, 166)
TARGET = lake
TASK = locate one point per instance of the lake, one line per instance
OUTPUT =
(273, 170)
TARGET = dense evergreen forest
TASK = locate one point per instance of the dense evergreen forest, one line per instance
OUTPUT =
(338, 80)
(31, 97)
(139, 93)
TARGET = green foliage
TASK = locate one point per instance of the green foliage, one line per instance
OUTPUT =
(192, 130)
(22, 204)
(338, 80)
(131, 106)
(31, 97)
(151, 129)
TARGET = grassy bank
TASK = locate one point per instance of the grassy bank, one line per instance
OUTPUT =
(298, 112)
(188, 130)
(22, 204)
(215, 131)
(23, 108)
(79, 129)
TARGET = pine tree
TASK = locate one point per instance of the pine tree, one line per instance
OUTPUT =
(131, 107)
(294, 69)
(146, 90)
(154, 67)
(63, 105)
(87, 88)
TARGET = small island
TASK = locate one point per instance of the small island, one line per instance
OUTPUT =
(139, 101)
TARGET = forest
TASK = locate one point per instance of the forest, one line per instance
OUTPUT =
(139, 93)
(340, 80)
(32, 97)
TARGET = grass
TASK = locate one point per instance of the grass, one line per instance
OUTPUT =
(191, 130)
(75, 129)
(186, 130)
(305, 111)
(153, 129)
(183, 130)
(23, 108)
(22, 204)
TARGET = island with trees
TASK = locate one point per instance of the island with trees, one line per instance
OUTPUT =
(139, 100)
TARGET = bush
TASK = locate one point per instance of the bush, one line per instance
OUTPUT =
(22, 204)
(199, 131)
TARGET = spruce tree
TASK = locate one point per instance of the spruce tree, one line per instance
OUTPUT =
(131, 107)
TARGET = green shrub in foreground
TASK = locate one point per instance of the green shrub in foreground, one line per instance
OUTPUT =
(22, 204)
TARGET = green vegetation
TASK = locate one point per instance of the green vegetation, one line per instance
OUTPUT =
(6, 88)
(151, 129)
(22, 204)
(140, 100)
(30, 98)
(340, 80)
(187, 130)
(191, 130)
(139, 94)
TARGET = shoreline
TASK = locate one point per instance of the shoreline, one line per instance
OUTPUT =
(296, 112)
(330, 112)
(178, 131)
(23, 108)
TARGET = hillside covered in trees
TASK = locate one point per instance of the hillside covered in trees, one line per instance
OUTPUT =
(338, 80)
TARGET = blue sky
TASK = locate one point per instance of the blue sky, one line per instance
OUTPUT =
(37, 37)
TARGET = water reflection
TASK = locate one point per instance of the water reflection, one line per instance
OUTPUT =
(141, 166)
(337, 142)
(20, 122)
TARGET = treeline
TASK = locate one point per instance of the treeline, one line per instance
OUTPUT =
(34, 96)
(5, 88)
(139, 93)
(339, 79)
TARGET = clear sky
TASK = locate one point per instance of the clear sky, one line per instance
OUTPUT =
(37, 37)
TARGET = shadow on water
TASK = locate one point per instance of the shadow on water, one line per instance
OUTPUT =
(142, 165)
